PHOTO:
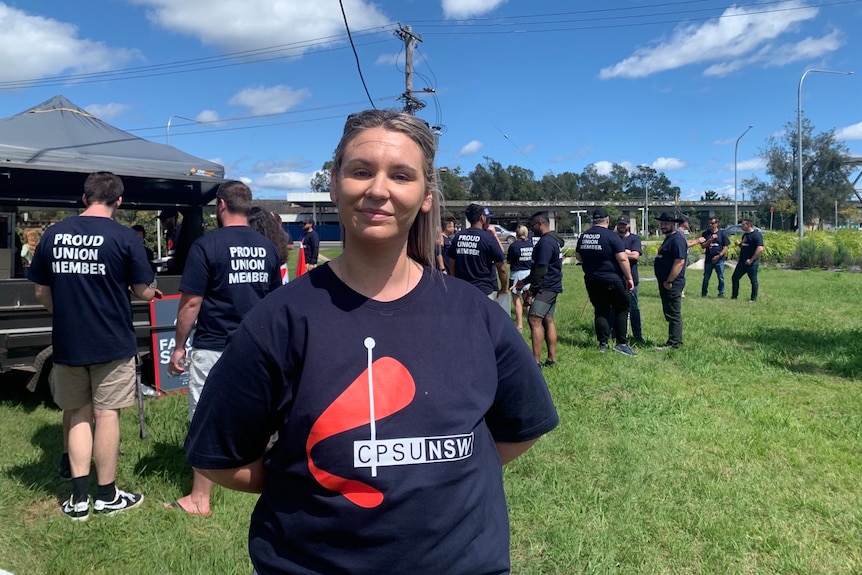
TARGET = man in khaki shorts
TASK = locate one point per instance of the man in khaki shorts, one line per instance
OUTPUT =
(83, 269)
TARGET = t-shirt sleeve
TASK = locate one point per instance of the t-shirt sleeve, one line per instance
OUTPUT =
(496, 251)
(723, 239)
(195, 274)
(758, 240)
(141, 272)
(522, 409)
(616, 243)
(637, 245)
(39, 271)
(234, 418)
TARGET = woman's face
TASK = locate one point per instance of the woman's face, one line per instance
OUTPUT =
(381, 186)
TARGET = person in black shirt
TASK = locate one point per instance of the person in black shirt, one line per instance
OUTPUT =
(750, 248)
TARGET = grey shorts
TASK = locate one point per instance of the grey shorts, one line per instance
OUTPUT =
(201, 362)
(544, 304)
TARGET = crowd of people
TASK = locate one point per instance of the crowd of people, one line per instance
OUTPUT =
(323, 395)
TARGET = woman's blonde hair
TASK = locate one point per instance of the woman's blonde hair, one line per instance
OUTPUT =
(521, 232)
(424, 231)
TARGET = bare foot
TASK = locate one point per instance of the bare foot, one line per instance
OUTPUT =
(186, 505)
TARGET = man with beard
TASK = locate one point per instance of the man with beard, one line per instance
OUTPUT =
(670, 273)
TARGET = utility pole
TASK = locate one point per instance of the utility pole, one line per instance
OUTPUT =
(411, 104)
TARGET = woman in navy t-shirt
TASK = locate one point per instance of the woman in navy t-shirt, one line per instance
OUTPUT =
(390, 438)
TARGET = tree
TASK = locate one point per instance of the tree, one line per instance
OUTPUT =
(711, 195)
(321, 180)
(824, 173)
(647, 179)
(453, 184)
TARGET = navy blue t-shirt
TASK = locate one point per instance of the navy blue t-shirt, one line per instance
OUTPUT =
(598, 248)
(89, 263)
(673, 248)
(520, 255)
(232, 268)
(632, 242)
(714, 245)
(749, 243)
(408, 483)
(547, 252)
(475, 252)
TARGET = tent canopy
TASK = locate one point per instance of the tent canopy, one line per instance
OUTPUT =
(47, 152)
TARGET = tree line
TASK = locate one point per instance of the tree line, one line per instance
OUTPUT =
(825, 182)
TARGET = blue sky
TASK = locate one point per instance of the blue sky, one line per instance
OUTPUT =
(263, 86)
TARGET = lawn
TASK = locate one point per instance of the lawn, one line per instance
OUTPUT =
(739, 453)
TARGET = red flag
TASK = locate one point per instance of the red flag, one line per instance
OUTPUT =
(300, 263)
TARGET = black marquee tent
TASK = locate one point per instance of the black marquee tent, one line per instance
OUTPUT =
(47, 152)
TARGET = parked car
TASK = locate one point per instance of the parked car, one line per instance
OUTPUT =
(734, 229)
(505, 236)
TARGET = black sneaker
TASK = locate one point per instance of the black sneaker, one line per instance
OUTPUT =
(76, 511)
(122, 502)
(549, 363)
(603, 347)
(65, 467)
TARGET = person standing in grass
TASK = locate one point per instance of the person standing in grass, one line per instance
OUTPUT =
(715, 243)
(608, 279)
(669, 267)
(634, 249)
(520, 258)
(83, 269)
(750, 248)
(381, 465)
(228, 271)
(546, 283)
(476, 254)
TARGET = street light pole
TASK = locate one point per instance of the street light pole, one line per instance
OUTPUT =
(643, 220)
(168, 127)
(735, 150)
(800, 221)
(578, 213)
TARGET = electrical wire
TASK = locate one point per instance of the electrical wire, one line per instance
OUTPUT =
(476, 27)
(352, 45)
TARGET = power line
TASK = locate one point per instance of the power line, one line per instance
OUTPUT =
(352, 45)
(476, 26)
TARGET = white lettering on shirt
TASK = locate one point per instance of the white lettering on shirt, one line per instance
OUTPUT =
(412, 450)
(77, 254)
(247, 263)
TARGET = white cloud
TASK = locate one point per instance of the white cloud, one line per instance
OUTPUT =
(750, 165)
(388, 59)
(471, 148)
(107, 112)
(807, 49)
(208, 116)
(35, 47)
(853, 132)
(285, 181)
(668, 164)
(603, 167)
(272, 100)
(468, 8)
(739, 37)
(252, 24)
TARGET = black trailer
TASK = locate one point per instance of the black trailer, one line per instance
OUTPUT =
(46, 153)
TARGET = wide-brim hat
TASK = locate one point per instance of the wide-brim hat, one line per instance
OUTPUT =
(668, 217)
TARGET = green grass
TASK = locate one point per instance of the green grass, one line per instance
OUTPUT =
(739, 453)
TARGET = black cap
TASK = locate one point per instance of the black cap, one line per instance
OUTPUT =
(600, 213)
(168, 213)
(623, 220)
(669, 217)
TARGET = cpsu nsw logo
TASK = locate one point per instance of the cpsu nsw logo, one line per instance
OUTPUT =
(384, 388)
